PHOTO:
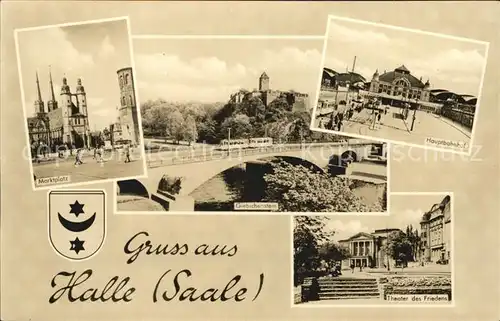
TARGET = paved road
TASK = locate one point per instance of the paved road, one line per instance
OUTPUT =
(394, 128)
(90, 170)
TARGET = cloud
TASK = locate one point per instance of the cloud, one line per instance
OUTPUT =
(453, 61)
(213, 79)
(107, 49)
(51, 47)
(341, 33)
(291, 68)
(406, 217)
(339, 65)
(165, 67)
(284, 59)
(347, 229)
(185, 92)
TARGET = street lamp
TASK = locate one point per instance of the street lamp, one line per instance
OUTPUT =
(414, 115)
(229, 140)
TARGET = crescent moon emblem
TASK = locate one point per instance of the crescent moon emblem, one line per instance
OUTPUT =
(76, 227)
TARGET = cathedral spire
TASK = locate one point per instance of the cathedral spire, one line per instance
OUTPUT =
(38, 88)
(39, 105)
(53, 97)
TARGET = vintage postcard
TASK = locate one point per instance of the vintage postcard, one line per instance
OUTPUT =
(157, 161)
(80, 105)
(404, 258)
(228, 131)
(400, 85)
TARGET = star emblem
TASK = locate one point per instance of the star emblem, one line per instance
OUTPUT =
(77, 208)
(77, 245)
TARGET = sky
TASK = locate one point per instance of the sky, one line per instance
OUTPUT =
(209, 70)
(455, 65)
(92, 52)
(405, 210)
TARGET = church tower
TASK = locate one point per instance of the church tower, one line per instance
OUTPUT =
(81, 97)
(39, 105)
(374, 84)
(128, 108)
(65, 104)
(263, 82)
(52, 103)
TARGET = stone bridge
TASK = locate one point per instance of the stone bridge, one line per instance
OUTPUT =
(195, 168)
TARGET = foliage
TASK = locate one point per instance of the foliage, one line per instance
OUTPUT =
(415, 241)
(239, 125)
(176, 127)
(179, 121)
(420, 282)
(189, 131)
(298, 189)
(399, 247)
(307, 233)
(250, 118)
(207, 131)
(331, 252)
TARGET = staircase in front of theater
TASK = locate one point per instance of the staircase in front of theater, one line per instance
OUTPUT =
(335, 288)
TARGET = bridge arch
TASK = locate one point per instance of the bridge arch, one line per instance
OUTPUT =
(132, 187)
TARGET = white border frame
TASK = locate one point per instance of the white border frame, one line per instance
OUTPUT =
(384, 304)
(259, 213)
(435, 34)
(25, 117)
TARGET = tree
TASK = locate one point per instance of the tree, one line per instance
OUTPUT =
(297, 189)
(331, 253)
(300, 130)
(252, 107)
(307, 232)
(207, 131)
(176, 126)
(239, 125)
(155, 119)
(190, 133)
(414, 239)
(399, 247)
(276, 109)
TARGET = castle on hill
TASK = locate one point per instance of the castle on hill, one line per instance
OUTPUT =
(298, 101)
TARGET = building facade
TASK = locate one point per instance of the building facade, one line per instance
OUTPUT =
(63, 122)
(298, 101)
(367, 249)
(436, 233)
(128, 117)
(398, 87)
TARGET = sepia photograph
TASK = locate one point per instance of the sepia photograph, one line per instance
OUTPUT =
(400, 85)
(402, 258)
(227, 129)
(78, 89)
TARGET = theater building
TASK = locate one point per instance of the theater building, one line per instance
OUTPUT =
(436, 233)
(367, 249)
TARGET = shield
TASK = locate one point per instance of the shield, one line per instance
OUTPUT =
(77, 222)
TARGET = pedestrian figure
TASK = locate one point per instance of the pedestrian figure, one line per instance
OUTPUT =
(340, 125)
(95, 152)
(78, 158)
(98, 154)
(378, 117)
(352, 267)
(127, 153)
